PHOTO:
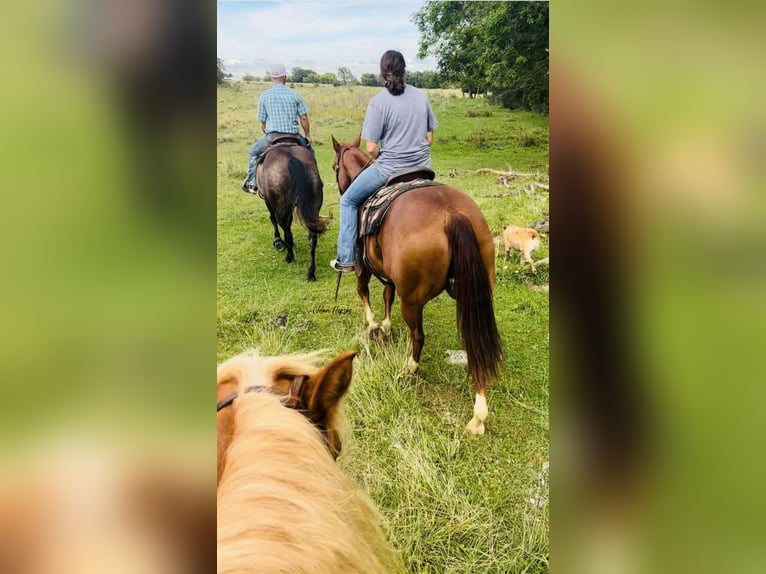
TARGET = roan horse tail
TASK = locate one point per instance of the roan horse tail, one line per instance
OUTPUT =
(473, 294)
(302, 193)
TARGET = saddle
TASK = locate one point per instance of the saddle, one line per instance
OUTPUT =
(284, 140)
(374, 209)
(290, 139)
(410, 174)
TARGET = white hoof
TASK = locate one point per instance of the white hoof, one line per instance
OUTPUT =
(475, 427)
(386, 326)
(412, 365)
(373, 328)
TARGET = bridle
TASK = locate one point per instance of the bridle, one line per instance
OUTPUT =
(336, 166)
(294, 400)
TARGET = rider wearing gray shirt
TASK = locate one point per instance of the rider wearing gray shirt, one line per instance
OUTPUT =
(402, 125)
(398, 128)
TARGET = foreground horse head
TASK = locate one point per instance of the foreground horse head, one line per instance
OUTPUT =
(283, 504)
(289, 182)
(432, 239)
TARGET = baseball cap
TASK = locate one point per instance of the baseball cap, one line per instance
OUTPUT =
(277, 71)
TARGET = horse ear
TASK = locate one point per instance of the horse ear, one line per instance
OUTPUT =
(227, 382)
(335, 144)
(329, 385)
(357, 141)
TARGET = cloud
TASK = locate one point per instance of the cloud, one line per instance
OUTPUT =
(319, 36)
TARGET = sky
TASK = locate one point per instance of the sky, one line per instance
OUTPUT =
(319, 35)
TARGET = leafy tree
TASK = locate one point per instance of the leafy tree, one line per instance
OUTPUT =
(425, 79)
(312, 78)
(248, 77)
(345, 76)
(328, 78)
(221, 71)
(301, 75)
(497, 46)
(369, 80)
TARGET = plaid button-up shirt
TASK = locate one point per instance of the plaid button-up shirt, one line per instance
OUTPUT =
(279, 107)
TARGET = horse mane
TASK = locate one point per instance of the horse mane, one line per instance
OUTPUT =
(283, 503)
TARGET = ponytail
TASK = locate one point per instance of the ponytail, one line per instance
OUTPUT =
(392, 68)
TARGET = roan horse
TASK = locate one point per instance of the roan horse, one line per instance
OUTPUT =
(288, 180)
(432, 238)
(284, 506)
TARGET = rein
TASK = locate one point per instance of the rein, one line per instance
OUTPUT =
(293, 401)
(337, 166)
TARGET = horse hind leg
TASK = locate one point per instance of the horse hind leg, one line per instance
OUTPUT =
(389, 292)
(278, 243)
(413, 316)
(363, 290)
(310, 276)
(286, 227)
(480, 412)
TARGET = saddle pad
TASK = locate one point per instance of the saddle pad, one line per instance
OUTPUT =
(374, 210)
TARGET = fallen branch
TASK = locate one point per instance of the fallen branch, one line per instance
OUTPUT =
(510, 174)
(498, 195)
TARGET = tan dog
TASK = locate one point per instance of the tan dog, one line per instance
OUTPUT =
(522, 239)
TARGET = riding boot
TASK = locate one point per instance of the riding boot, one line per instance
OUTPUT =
(249, 187)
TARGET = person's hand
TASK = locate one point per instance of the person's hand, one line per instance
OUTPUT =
(308, 140)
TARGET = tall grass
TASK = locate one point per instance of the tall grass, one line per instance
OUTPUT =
(452, 503)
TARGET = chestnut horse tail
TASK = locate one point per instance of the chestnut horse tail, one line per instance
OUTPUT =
(473, 293)
(303, 197)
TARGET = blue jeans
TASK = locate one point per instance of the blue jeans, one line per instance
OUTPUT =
(257, 149)
(366, 183)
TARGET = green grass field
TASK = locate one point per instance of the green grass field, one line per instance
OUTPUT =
(452, 503)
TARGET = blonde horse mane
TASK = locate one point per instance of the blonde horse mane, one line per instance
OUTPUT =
(283, 504)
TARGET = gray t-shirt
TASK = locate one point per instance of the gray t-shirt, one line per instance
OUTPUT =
(400, 124)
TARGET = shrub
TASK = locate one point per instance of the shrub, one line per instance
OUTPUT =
(479, 113)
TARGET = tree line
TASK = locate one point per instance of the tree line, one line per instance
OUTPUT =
(343, 77)
(495, 48)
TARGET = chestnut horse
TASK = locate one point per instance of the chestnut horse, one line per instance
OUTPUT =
(433, 238)
(288, 180)
(284, 506)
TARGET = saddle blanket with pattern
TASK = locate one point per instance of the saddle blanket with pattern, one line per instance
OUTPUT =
(374, 210)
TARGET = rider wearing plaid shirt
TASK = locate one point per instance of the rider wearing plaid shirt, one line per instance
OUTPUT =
(279, 110)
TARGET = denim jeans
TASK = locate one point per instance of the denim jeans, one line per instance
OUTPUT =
(366, 183)
(257, 149)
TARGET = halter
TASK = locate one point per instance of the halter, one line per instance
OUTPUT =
(293, 401)
(336, 167)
